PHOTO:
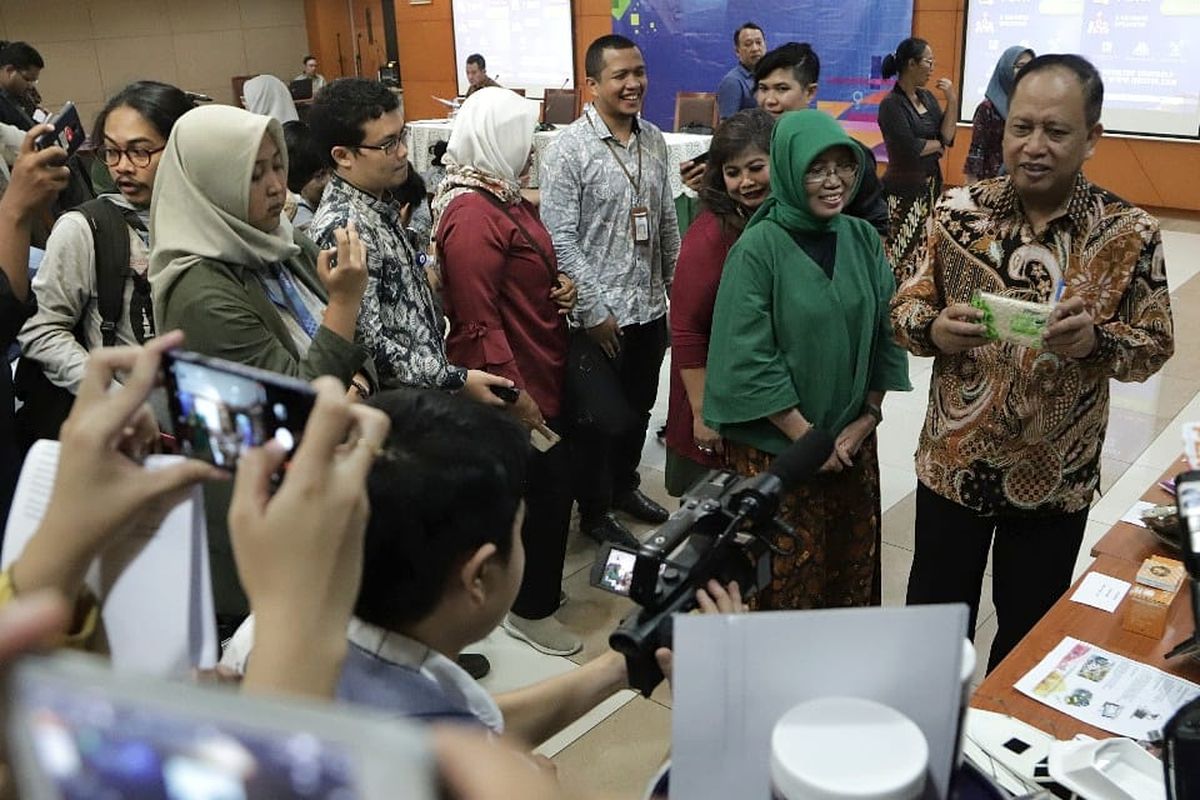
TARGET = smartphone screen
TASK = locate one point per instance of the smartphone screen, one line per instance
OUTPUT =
(68, 131)
(220, 409)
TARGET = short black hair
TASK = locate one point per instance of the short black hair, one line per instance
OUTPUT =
(413, 191)
(593, 62)
(308, 58)
(340, 110)
(477, 60)
(21, 55)
(450, 480)
(160, 104)
(305, 159)
(907, 51)
(747, 128)
(751, 26)
(1089, 79)
(799, 56)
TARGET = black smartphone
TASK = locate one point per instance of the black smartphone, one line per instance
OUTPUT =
(220, 409)
(508, 394)
(1187, 498)
(700, 159)
(68, 130)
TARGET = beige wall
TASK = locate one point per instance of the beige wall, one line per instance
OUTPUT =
(94, 47)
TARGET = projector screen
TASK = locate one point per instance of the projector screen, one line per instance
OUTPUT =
(1148, 52)
(527, 44)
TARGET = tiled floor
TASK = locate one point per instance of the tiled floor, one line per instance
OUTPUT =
(634, 732)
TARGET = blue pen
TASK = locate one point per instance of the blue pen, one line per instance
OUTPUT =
(1062, 287)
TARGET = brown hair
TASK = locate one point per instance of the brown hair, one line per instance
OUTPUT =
(745, 129)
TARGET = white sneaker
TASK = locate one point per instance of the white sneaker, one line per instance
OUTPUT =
(547, 635)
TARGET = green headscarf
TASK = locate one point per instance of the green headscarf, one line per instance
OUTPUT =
(799, 137)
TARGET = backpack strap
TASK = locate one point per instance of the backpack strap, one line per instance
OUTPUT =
(111, 237)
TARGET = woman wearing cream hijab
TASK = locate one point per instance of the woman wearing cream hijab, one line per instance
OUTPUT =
(227, 270)
(269, 96)
(506, 301)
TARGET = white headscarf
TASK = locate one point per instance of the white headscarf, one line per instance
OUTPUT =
(489, 147)
(269, 96)
(201, 198)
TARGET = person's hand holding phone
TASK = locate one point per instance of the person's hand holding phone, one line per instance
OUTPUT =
(343, 272)
(692, 173)
(101, 490)
(37, 177)
(564, 294)
(479, 385)
(299, 552)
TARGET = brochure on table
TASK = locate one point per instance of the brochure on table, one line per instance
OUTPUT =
(1105, 690)
(736, 675)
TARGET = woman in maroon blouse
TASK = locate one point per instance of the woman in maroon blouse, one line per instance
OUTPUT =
(736, 182)
(507, 303)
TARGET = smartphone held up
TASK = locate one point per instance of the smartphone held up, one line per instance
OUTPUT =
(68, 131)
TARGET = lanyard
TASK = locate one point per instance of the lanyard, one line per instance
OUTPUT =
(637, 185)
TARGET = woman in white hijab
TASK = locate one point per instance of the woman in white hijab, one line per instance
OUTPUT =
(269, 96)
(226, 269)
(507, 303)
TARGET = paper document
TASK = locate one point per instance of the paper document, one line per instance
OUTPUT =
(1108, 691)
(154, 587)
(1134, 514)
(1101, 591)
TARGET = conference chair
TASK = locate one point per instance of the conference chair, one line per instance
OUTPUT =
(560, 106)
(696, 112)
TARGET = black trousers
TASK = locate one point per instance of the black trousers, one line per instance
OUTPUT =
(1032, 562)
(544, 534)
(605, 466)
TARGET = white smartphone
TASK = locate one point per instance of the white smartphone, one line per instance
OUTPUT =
(77, 729)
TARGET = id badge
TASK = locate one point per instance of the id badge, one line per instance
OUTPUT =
(640, 217)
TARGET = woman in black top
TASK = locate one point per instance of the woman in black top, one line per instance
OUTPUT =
(916, 134)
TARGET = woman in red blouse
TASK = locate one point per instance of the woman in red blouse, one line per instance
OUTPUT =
(736, 182)
(507, 303)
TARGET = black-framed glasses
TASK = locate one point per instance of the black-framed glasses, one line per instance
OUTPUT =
(818, 175)
(138, 156)
(388, 148)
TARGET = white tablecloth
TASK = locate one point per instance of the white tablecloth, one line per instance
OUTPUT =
(422, 135)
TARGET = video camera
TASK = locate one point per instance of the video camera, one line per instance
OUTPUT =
(721, 531)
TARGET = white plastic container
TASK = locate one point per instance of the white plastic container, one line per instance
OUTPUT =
(847, 748)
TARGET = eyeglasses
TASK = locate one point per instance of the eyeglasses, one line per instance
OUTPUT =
(387, 148)
(138, 156)
(818, 175)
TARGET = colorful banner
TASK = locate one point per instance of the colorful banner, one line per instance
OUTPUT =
(688, 45)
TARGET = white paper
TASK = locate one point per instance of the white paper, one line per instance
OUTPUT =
(1134, 514)
(1105, 690)
(154, 587)
(735, 675)
(1101, 591)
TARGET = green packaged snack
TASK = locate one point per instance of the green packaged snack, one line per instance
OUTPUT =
(1010, 320)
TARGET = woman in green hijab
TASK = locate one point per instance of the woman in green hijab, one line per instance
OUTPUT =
(801, 338)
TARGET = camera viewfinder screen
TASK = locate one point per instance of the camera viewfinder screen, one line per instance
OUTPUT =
(618, 571)
(219, 415)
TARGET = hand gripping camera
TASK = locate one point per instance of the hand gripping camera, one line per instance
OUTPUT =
(722, 530)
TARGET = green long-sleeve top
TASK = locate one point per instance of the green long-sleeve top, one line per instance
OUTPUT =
(785, 335)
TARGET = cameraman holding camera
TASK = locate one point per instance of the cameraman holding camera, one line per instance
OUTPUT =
(443, 561)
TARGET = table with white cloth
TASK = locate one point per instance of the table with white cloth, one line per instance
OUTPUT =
(420, 136)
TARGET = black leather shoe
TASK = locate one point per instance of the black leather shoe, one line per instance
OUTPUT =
(637, 505)
(475, 664)
(606, 528)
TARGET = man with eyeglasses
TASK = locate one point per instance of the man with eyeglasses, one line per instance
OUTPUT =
(20, 67)
(359, 127)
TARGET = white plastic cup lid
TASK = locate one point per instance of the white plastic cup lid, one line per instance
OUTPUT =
(843, 748)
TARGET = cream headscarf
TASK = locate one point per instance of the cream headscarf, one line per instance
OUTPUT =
(269, 96)
(202, 197)
(488, 149)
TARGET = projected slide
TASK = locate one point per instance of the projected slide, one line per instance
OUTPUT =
(526, 43)
(1147, 50)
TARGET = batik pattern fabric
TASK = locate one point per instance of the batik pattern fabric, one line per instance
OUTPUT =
(908, 215)
(833, 558)
(1011, 429)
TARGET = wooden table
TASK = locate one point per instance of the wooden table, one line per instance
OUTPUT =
(1133, 542)
(1091, 625)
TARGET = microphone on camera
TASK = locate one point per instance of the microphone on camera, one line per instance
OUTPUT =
(758, 498)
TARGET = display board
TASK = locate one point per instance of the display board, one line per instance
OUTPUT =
(1147, 51)
(527, 44)
(688, 46)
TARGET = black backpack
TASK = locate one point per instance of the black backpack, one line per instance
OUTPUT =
(44, 405)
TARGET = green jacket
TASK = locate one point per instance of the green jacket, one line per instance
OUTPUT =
(225, 312)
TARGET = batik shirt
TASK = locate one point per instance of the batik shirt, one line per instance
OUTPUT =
(589, 185)
(399, 322)
(1011, 429)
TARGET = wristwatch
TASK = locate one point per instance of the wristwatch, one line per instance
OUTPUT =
(875, 411)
